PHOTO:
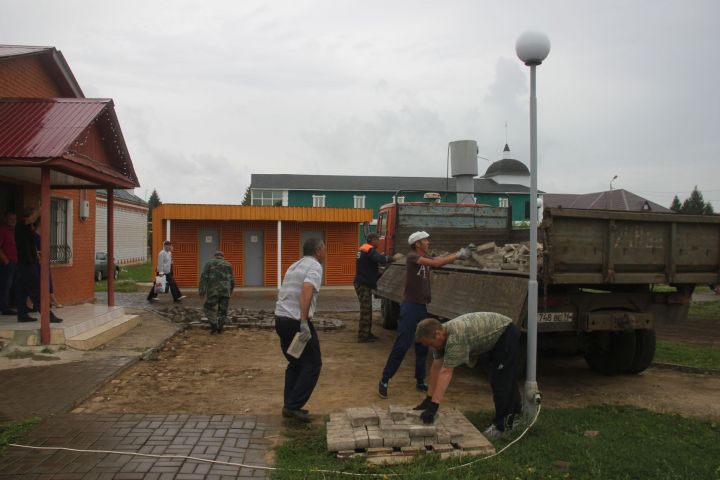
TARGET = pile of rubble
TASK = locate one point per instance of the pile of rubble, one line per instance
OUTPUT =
(237, 318)
(397, 434)
(511, 256)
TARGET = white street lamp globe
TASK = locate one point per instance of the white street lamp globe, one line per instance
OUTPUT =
(532, 47)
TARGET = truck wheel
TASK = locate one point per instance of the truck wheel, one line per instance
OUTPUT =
(390, 314)
(610, 353)
(644, 351)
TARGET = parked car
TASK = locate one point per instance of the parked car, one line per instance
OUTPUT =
(101, 266)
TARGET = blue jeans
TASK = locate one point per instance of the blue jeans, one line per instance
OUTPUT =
(7, 277)
(410, 315)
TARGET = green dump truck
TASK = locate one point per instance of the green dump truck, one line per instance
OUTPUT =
(598, 273)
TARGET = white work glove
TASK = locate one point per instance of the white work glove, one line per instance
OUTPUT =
(463, 253)
(304, 331)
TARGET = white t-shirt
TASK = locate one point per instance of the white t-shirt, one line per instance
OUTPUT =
(305, 270)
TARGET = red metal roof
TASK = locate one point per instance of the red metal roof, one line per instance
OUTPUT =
(44, 128)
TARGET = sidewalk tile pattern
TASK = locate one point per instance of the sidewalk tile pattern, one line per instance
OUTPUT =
(49, 389)
(230, 438)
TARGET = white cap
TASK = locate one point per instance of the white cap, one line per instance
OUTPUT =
(414, 237)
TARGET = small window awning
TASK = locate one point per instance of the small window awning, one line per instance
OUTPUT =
(79, 139)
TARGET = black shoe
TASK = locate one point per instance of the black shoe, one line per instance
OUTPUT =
(300, 415)
(9, 311)
(374, 337)
(382, 389)
(421, 387)
(26, 318)
(366, 339)
(54, 318)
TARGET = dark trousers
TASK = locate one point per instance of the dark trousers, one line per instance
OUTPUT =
(364, 294)
(7, 277)
(410, 315)
(27, 284)
(170, 281)
(301, 374)
(503, 378)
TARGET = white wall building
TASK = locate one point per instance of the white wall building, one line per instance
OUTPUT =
(130, 227)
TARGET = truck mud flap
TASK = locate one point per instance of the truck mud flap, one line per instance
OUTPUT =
(617, 321)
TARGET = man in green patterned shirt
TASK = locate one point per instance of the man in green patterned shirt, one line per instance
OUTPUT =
(461, 341)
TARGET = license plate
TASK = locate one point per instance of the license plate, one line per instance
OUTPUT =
(555, 317)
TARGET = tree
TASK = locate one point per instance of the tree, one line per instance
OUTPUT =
(246, 198)
(695, 204)
(676, 206)
(153, 202)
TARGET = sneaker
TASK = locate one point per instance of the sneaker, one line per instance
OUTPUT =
(26, 318)
(382, 389)
(181, 297)
(421, 387)
(153, 299)
(492, 432)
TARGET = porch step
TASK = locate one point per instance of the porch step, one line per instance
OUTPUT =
(103, 333)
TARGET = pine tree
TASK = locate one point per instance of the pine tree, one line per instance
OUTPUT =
(676, 206)
(153, 202)
(696, 204)
(246, 198)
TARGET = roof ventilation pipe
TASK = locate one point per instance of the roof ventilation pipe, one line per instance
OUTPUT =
(464, 168)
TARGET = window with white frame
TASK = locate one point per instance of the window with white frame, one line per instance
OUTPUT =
(60, 231)
(318, 200)
(358, 201)
(503, 202)
(400, 199)
(266, 197)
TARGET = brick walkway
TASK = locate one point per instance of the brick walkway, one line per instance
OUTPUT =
(46, 390)
(230, 438)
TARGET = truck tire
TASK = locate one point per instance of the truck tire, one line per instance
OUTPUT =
(644, 351)
(610, 353)
(390, 314)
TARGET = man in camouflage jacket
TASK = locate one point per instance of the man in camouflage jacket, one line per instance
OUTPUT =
(216, 284)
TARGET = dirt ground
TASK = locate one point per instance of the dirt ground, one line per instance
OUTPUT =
(242, 371)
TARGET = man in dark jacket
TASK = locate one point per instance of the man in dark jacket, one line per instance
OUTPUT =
(366, 274)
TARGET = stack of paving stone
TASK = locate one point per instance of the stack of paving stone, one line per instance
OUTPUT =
(397, 435)
(237, 318)
(511, 256)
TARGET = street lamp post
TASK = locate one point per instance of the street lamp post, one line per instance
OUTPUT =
(532, 48)
(610, 193)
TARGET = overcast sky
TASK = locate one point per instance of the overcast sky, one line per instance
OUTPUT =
(209, 92)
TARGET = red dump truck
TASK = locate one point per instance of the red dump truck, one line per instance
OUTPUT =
(598, 273)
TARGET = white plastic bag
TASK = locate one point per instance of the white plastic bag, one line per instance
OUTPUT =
(160, 284)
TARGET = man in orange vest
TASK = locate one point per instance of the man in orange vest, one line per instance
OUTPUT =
(366, 275)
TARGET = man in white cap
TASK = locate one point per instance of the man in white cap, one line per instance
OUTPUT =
(414, 308)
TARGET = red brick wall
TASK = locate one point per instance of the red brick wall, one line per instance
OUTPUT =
(74, 283)
(340, 238)
(26, 77)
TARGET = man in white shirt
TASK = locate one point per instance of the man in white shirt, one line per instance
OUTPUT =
(164, 268)
(294, 310)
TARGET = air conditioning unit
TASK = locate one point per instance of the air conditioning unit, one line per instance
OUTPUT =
(84, 209)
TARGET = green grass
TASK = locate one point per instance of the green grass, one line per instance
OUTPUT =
(633, 444)
(14, 432)
(128, 279)
(699, 356)
(707, 311)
